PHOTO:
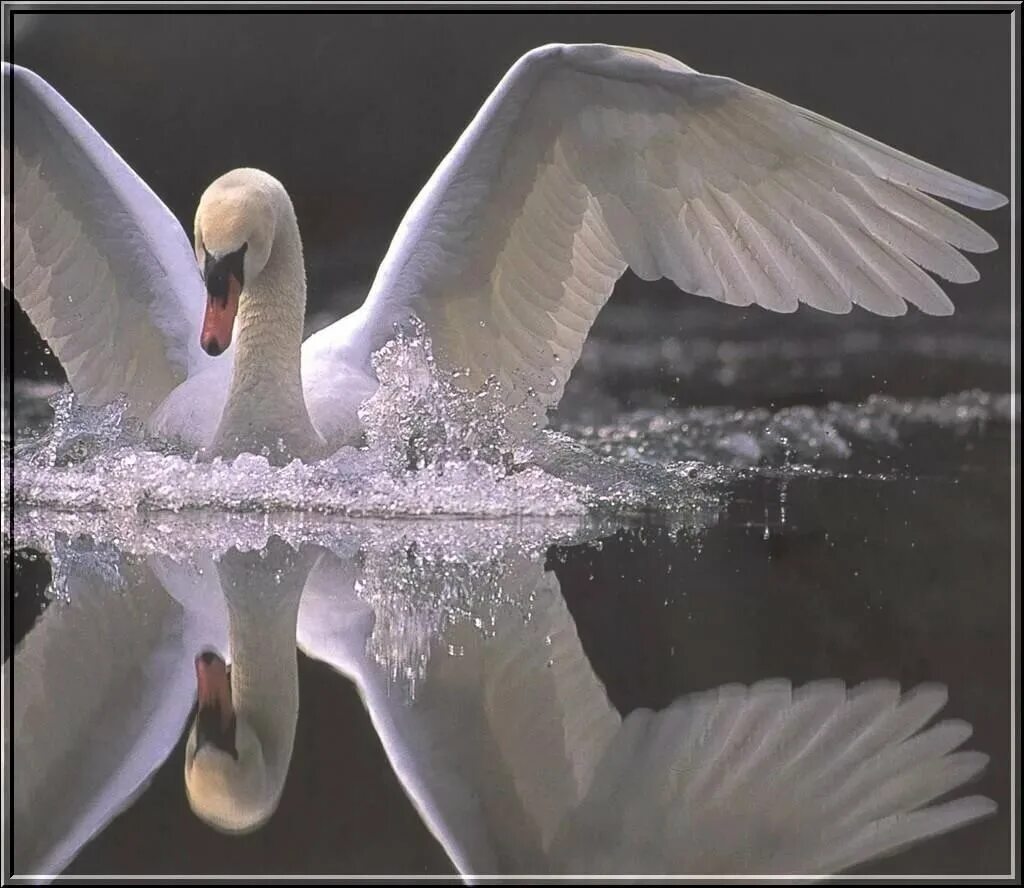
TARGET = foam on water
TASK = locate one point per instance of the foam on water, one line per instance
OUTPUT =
(792, 436)
(433, 448)
(352, 482)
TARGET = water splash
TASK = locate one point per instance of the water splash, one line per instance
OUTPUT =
(80, 431)
(433, 448)
(72, 556)
(350, 483)
(417, 591)
(419, 416)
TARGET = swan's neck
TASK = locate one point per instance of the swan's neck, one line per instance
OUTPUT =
(263, 593)
(264, 678)
(265, 410)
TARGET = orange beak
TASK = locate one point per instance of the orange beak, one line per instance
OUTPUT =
(220, 316)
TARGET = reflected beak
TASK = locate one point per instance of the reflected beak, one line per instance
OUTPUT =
(215, 718)
(224, 282)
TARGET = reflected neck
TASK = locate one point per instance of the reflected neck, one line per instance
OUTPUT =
(264, 676)
(263, 591)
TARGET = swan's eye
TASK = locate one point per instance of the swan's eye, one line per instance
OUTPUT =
(218, 271)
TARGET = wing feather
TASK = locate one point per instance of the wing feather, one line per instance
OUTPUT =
(99, 264)
(773, 780)
(587, 159)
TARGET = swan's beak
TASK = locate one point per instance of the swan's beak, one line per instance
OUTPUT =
(215, 720)
(224, 281)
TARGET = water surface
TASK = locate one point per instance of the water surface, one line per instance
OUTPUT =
(502, 652)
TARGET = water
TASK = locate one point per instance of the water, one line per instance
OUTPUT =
(482, 629)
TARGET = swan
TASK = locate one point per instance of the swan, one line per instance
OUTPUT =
(240, 744)
(585, 160)
(509, 749)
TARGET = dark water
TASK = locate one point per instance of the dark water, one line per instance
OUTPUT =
(823, 499)
(902, 579)
(827, 499)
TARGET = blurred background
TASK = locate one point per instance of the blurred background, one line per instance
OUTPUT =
(353, 111)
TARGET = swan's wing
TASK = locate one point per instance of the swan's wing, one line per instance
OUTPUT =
(102, 687)
(503, 732)
(768, 779)
(334, 622)
(511, 704)
(100, 265)
(547, 714)
(587, 159)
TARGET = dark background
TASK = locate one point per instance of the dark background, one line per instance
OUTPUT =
(353, 111)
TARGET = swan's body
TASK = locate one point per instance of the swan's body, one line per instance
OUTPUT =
(584, 161)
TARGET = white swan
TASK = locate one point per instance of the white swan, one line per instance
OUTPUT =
(585, 159)
(510, 750)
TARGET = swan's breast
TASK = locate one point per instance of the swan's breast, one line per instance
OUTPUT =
(192, 412)
(335, 386)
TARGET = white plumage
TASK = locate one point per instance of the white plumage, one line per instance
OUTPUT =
(585, 160)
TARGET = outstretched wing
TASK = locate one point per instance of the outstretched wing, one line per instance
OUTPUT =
(100, 265)
(101, 688)
(774, 780)
(587, 159)
(518, 762)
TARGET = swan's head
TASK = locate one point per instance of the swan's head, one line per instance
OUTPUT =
(225, 774)
(236, 223)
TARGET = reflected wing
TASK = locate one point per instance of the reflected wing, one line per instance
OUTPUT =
(503, 732)
(587, 159)
(424, 747)
(102, 686)
(195, 585)
(548, 718)
(98, 262)
(768, 779)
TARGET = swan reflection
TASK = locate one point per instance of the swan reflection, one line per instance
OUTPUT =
(240, 744)
(469, 663)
